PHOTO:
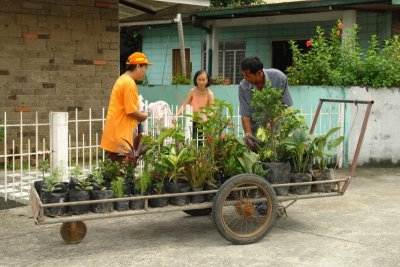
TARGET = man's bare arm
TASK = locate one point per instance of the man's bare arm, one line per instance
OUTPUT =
(139, 116)
(246, 122)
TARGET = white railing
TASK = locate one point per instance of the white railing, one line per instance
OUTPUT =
(19, 167)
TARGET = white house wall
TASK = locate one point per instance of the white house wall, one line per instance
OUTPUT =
(382, 139)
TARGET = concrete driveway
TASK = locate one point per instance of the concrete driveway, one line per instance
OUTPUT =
(358, 229)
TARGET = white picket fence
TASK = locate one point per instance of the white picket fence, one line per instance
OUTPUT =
(19, 167)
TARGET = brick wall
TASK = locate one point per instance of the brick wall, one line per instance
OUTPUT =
(57, 55)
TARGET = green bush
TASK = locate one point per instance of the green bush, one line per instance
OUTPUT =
(338, 61)
(180, 79)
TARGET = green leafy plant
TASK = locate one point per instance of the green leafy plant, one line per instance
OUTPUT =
(143, 182)
(76, 172)
(117, 186)
(229, 149)
(268, 111)
(52, 182)
(202, 169)
(98, 180)
(44, 167)
(180, 79)
(301, 148)
(339, 61)
(175, 162)
(109, 169)
(83, 184)
(325, 148)
(251, 164)
(215, 121)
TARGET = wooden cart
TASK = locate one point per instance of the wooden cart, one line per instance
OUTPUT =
(244, 208)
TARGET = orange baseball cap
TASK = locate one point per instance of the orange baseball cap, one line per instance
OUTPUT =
(137, 58)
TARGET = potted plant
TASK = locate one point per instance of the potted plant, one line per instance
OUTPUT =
(141, 184)
(174, 164)
(269, 114)
(118, 185)
(44, 167)
(250, 163)
(324, 152)
(50, 193)
(110, 170)
(158, 174)
(199, 172)
(300, 146)
(214, 120)
(133, 153)
(79, 191)
(100, 191)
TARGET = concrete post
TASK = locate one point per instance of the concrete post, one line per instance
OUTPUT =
(181, 43)
(215, 51)
(59, 143)
(349, 19)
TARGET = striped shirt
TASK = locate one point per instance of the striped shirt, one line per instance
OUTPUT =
(276, 78)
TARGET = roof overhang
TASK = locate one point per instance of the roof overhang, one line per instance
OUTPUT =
(298, 7)
(148, 12)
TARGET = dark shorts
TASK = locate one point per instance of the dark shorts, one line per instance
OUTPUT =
(115, 157)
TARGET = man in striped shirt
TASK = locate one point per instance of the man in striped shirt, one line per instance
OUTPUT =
(256, 77)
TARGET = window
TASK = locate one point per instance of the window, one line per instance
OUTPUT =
(177, 65)
(230, 55)
(282, 54)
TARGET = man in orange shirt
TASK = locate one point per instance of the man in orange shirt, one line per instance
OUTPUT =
(123, 112)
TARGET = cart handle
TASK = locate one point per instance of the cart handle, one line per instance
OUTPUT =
(363, 128)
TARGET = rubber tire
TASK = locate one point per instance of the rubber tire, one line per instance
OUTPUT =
(197, 213)
(73, 234)
(222, 194)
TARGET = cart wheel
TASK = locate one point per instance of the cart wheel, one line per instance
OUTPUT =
(202, 212)
(73, 232)
(245, 208)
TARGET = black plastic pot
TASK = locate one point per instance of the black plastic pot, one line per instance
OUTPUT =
(128, 186)
(278, 173)
(77, 195)
(325, 175)
(209, 197)
(158, 202)
(64, 188)
(101, 207)
(178, 188)
(38, 185)
(219, 178)
(136, 204)
(121, 205)
(197, 198)
(48, 198)
(300, 178)
(72, 184)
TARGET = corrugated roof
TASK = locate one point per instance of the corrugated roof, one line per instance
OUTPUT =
(139, 10)
(284, 8)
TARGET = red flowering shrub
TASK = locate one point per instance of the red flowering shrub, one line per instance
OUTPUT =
(340, 61)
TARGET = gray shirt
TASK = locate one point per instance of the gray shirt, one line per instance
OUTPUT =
(276, 78)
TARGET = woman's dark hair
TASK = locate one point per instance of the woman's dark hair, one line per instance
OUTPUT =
(197, 75)
(130, 67)
(253, 64)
